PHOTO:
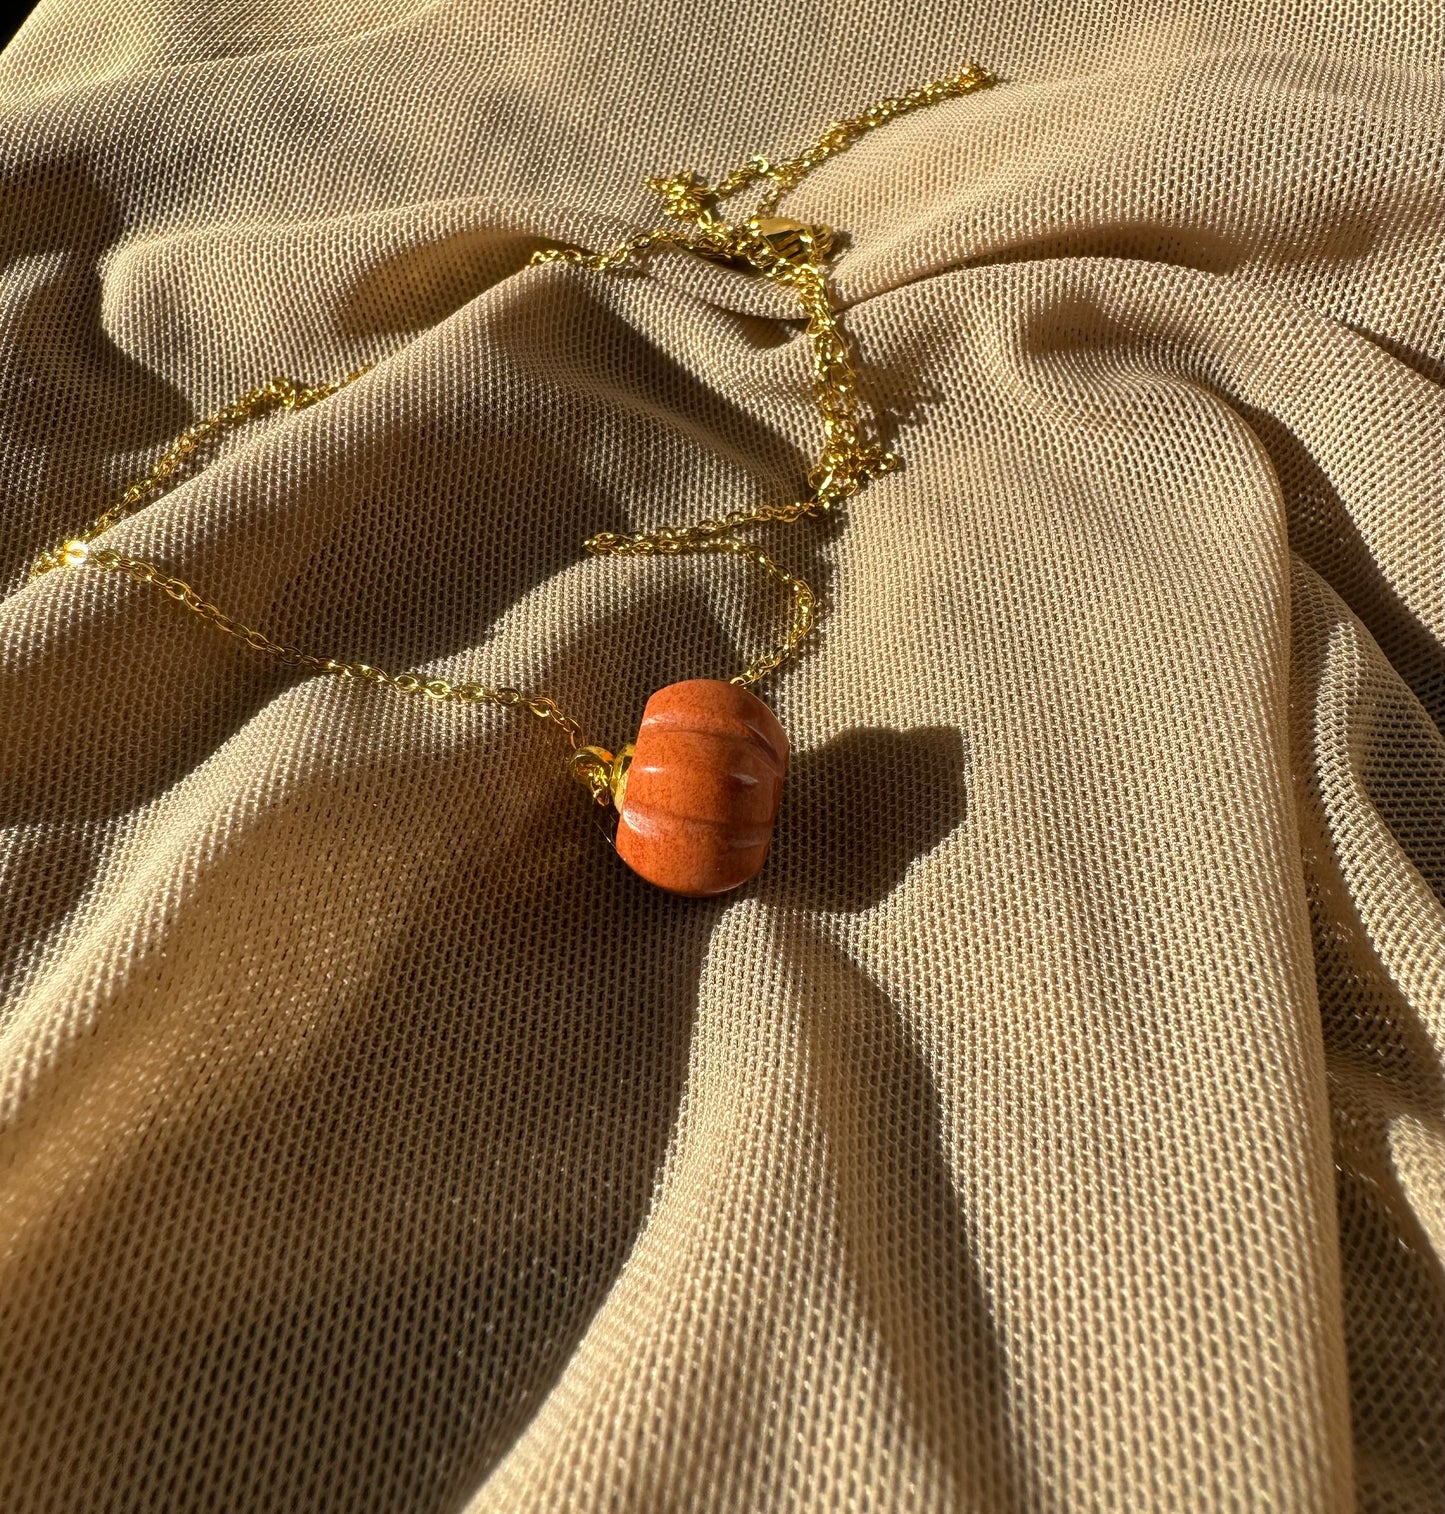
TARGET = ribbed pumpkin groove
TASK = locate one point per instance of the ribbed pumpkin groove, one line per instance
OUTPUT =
(703, 788)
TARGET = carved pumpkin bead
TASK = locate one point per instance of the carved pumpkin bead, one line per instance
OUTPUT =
(697, 804)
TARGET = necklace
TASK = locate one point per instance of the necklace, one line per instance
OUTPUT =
(696, 794)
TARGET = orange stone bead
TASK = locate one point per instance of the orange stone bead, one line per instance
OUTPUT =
(696, 815)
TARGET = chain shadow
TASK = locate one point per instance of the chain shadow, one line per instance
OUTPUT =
(612, 1009)
(508, 501)
(480, 1128)
(504, 498)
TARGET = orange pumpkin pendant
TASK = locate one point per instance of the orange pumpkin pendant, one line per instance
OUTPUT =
(697, 802)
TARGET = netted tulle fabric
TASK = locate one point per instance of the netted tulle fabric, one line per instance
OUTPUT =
(1055, 1125)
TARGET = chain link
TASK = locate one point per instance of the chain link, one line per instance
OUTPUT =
(841, 135)
(794, 256)
(786, 252)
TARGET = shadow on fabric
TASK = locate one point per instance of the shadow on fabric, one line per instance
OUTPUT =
(445, 1176)
(910, 1250)
(72, 399)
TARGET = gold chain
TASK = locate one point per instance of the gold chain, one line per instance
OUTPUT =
(786, 252)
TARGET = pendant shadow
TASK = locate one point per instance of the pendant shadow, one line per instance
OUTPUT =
(560, 1055)
(597, 1033)
(478, 1127)
(503, 501)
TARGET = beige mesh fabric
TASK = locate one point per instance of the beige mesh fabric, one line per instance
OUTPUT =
(1055, 1125)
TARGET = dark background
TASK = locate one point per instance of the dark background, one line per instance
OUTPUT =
(9, 28)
